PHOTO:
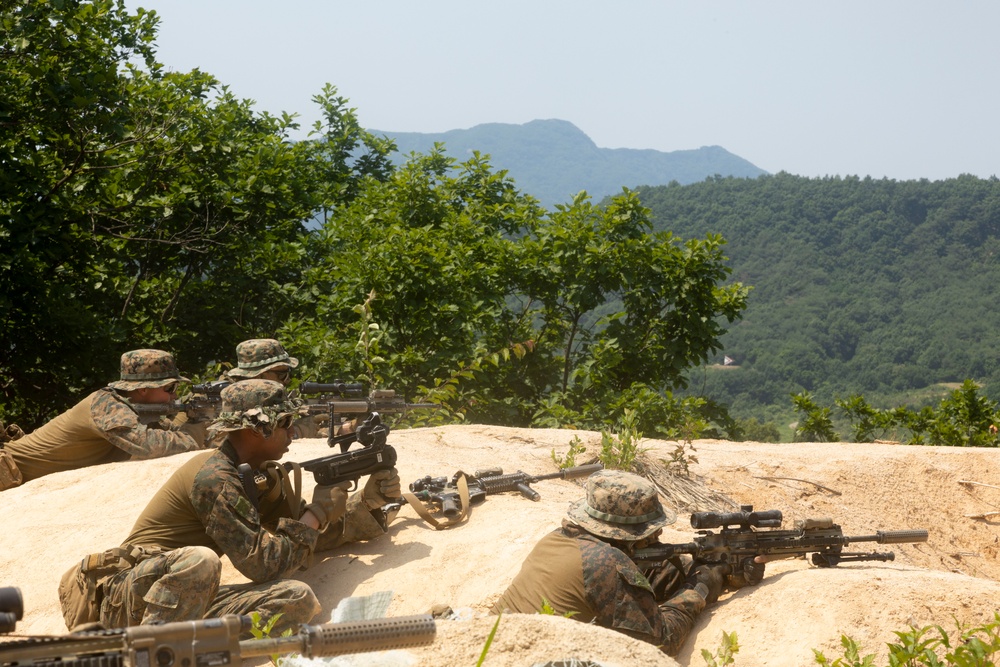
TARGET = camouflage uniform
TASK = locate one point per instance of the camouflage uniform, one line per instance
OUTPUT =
(202, 512)
(578, 568)
(104, 427)
(259, 355)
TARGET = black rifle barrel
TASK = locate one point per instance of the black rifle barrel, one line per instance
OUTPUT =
(377, 634)
(892, 537)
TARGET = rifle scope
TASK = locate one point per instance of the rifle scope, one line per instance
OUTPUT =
(11, 608)
(210, 388)
(338, 387)
(745, 518)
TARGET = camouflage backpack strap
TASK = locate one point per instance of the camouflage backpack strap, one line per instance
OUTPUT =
(462, 483)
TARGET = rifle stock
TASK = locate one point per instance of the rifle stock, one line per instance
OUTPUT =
(212, 642)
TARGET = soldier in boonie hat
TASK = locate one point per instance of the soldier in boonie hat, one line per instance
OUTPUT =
(147, 369)
(585, 567)
(261, 355)
(620, 506)
(259, 405)
(106, 425)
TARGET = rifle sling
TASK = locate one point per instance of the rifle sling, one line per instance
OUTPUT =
(462, 483)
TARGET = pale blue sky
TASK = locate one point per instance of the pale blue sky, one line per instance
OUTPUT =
(898, 89)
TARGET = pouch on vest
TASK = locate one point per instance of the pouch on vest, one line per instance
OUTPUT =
(10, 476)
(77, 597)
(79, 587)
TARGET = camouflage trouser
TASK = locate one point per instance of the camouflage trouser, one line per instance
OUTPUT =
(183, 584)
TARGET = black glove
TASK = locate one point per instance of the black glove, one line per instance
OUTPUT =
(749, 573)
(708, 580)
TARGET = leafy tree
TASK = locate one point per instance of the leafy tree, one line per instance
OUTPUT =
(137, 206)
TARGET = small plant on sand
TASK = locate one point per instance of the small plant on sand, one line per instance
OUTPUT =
(576, 447)
(728, 647)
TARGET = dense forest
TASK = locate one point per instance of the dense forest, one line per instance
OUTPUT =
(860, 286)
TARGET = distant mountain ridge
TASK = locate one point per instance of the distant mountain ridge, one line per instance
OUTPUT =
(553, 159)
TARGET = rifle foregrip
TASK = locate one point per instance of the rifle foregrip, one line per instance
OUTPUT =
(377, 634)
(901, 536)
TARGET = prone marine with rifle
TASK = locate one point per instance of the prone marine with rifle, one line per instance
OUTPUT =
(606, 565)
(210, 641)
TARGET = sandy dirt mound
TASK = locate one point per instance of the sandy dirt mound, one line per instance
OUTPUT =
(52, 522)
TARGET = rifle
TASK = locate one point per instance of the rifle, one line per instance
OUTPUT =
(739, 541)
(444, 492)
(381, 400)
(211, 642)
(202, 404)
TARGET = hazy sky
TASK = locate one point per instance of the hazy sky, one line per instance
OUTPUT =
(898, 89)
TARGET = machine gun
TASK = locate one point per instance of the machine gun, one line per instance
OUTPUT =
(444, 492)
(211, 642)
(202, 404)
(739, 541)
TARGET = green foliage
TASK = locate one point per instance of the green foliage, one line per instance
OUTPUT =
(547, 610)
(261, 630)
(621, 448)
(489, 641)
(963, 418)
(929, 645)
(753, 430)
(815, 424)
(576, 448)
(143, 208)
(724, 655)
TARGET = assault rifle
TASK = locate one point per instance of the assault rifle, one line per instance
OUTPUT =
(383, 401)
(739, 541)
(444, 492)
(211, 642)
(202, 404)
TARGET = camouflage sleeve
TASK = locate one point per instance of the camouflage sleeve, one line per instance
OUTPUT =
(119, 424)
(625, 601)
(233, 523)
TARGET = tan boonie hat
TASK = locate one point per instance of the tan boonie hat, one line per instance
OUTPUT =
(143, 369)
(254, 404)
(620, 506)
(260, 355)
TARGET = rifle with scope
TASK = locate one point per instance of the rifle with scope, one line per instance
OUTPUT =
(740, 540)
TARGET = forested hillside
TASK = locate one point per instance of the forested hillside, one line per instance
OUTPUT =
(553, 160)
(877, 287)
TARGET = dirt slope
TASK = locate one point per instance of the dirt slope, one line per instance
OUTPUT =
(52, 522)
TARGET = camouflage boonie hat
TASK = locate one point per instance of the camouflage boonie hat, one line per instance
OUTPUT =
(260, 355)
(620, 506)
(254, 404)
(141, 369)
